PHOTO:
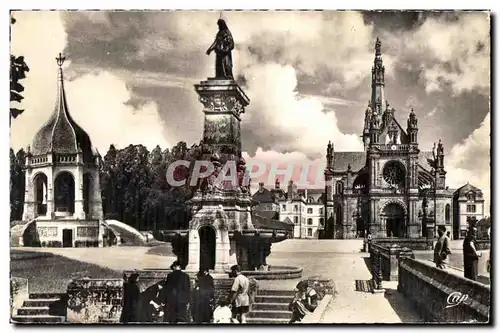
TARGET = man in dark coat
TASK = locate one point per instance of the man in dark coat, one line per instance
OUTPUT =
(178, 295)
(471, 256)
(131, 294)
(204, 297)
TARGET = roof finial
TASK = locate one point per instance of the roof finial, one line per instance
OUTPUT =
(60, 59)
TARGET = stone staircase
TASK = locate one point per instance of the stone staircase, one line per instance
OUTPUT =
(41, 308)
(271, 307)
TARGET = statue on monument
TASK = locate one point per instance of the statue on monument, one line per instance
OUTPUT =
(223, 45)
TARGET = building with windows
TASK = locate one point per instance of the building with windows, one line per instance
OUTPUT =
(304, 208)
(468, 207)
(392, 188)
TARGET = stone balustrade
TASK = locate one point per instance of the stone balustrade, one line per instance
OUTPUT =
(385, 260)
(441, 296)
(411, 243)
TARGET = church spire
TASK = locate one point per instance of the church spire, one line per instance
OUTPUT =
(378, 81)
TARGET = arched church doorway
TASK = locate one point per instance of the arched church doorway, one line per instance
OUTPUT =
(395, 220)
(40, 185)
(64, 193)
(207, 247)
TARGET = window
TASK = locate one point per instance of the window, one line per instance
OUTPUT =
(321, 221)
(447, 213)
(309, 232)
(471, 208)
(321, 211)
(283, 207)
(296, 219)
(309, 210)
(309, 221)
(295, 208)
(471, 197)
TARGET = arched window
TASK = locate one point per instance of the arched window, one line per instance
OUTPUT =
(339, 187)
(321, 221)
(447, 213)
(309, 221)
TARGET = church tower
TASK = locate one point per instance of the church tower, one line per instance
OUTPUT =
(378, 80)
(62, 193)
(330, 192)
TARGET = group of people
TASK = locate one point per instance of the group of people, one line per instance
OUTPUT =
(172, 301)
(470, 253)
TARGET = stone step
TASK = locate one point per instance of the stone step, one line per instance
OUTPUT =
(33, 311)
(38, 319)
(257, 320)
(45, 295)
(270, 314)
(39, 302)
(273, 299)
(271, 292)
(270, 306)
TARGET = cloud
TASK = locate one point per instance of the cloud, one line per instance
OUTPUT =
(454, 51)
(97, 100)
(469, 161)
(280, 119)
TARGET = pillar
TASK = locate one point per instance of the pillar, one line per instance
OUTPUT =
(220, 252)
(193, 251)
(233, 251)
(96, 199)
(29, 198)
(50, 193)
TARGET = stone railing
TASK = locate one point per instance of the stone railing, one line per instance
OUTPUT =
(94, 300)
(385, 261)
(100, 300)
(441, 296)
(483, 244)
(411, 243)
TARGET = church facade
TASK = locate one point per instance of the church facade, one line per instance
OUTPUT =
(392, 188)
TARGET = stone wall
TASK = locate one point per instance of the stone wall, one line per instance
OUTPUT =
(94, 300)
(100, 300)
(411, 243)
(18, 293)
(440, 296)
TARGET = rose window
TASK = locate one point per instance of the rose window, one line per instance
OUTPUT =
(394, 174)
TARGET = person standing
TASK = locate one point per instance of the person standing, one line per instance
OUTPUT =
(239, 294)
(178, 295)
(471, 255)
(131, 295)
(204, 297)
(442, 248)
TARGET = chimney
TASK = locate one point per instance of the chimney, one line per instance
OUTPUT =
(305, 193)
(289, 193)
(277, 184)
(261, 187)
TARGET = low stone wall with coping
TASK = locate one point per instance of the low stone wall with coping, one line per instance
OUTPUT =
(443, 297)
(18, 293)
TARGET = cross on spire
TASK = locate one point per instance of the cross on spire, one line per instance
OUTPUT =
(60, 59)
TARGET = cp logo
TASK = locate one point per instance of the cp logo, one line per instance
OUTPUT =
(455, 299)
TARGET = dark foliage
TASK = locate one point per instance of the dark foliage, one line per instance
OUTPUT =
(134, 186)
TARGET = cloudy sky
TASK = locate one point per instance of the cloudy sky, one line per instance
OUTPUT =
(130, 79)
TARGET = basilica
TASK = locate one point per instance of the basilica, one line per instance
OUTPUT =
(392, 188)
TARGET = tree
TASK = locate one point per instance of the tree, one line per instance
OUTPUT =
(17, 182)
(18, 70)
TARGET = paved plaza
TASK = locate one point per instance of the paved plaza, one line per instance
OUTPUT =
(339, 260)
